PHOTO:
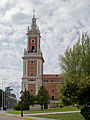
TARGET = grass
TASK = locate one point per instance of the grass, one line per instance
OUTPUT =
(46, 111)
(64, 116)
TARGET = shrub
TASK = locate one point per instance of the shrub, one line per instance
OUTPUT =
(85, 111)
(17, 107)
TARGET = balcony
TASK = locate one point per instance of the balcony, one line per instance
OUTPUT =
(32, 54)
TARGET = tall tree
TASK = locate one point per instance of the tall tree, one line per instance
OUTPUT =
(76, 60)
(28, 99)
(43, 97)
(76, 67)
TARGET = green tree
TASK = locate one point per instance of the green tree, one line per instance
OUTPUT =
(75, 65)
(77, 59)
(84, 91)
(28, 99)
(43, 97)
(68, 90)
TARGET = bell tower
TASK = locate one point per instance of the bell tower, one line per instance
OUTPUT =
(32, 60)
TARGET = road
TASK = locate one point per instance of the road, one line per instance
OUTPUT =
(9, 118)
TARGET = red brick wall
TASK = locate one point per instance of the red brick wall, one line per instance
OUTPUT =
(33, 44)
(31, 86)
(52, 85)
(34, 71)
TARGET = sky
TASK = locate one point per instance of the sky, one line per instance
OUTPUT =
(61, 22)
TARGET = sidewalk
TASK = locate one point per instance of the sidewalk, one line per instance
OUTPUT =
(28, 116)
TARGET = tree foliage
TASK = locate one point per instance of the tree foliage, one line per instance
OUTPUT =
(43, 97)
(77, 59)
(76, 66)
(84, 91)
(28, 99)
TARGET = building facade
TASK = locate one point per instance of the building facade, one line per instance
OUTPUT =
(33, 61)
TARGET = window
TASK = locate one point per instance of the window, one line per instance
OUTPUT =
(32, 80)
(52, 98)
(31, 61)
(31, 90)
(53, 80)
(53, 90)
(32, 41)
(33, 49)
(31, 74)
(45, 80)
(59, 81)
(31, 67)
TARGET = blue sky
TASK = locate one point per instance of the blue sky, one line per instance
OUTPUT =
(60, 22)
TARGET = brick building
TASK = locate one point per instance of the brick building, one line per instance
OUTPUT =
(33, 60)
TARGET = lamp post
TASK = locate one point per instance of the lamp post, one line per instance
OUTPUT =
(21, 103)
(2, 94)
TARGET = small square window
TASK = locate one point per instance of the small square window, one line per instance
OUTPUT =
(53, 90)
(31, 74)
(31, 67)
(59, 81)
(31, 61)
(53, 80)
(31, 90)
(32, 80)
(45, 80)
(32, 41)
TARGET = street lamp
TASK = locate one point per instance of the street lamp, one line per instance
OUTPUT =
(21, 103)
(2, 94)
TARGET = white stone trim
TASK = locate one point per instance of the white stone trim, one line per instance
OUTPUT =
(23, 68)
(38, 43)
(36, 90)
(37, 68)
(26, 68)
(40, 67)
(26, 86)
(22, 88)
(27, 42)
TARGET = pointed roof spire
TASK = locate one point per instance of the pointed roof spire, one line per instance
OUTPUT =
(33, 25)
(34, 13)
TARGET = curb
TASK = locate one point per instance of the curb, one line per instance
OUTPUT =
(18, 117)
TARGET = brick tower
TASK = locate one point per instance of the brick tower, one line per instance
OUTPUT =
(32, 60)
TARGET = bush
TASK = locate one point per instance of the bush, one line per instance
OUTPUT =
(85, 111)
(25, 106)
(61, 106)
(17, 107)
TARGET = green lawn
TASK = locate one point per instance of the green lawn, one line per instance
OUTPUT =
(49, 110)
(66, 116)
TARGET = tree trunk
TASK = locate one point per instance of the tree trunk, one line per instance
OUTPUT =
(41, 107)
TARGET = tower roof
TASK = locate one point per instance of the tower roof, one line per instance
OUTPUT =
(33, 13)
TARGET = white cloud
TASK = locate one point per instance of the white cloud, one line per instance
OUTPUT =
(60, 22)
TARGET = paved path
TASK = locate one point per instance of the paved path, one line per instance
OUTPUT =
(7, 116)
(51, 113)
